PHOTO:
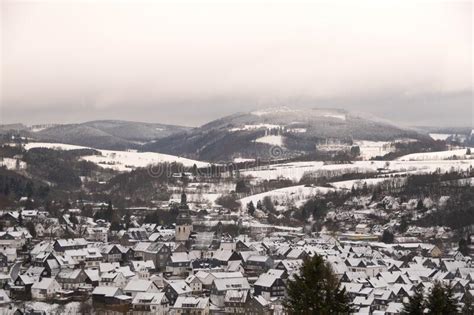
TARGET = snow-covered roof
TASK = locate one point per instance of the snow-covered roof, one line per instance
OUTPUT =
(138, 285)
(43, 284)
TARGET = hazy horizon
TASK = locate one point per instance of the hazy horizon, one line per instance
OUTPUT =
(189, 63)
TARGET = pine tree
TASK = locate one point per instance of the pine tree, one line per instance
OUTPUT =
(250, 208)
(316, 290)
(387, 237)
(468, 308)
(20, 218)
(463, 247)
(441, 300)
(415, 305)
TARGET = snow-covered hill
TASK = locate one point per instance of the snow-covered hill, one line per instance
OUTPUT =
(122, 161)
(459, 154)
(296, 131)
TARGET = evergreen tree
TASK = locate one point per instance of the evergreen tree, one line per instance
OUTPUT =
(365, 188)
(387, 237)
(31, 228)
(250, 208)
(316, 290)
(468, 308)
(419, 205)
(463, 247)
(441, 300)
(415, 305)
(20, 218)
(73, 219)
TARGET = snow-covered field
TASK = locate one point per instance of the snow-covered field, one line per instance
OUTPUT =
(440, 136)
(123, 161)
(295, 171)
(358, 183)
(441, 155)
(12, 164)
(295, 194)
(271, 140)
(370, 149)
(242, 160)
(255, 127)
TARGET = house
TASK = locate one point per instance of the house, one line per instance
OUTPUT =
(45, 289)
(3, 262)
(113, 279)
(93, 258)
(133, 236)
(142, 268)
(258, 305)
(14, 239)
(105, 295)
(195, 283)
(40, 230)
(296, 253)
(226, 256)
(190, 305)
(221, 286)
(159, 253)
(71, 279)
(4, 298)
(289, 266)
(114, 253)
(76, 256)
(258, 264)
(21, 288)
(97, 234)
(93, 277)
(175, 288)
(11, 253)
(235, 301)
(135, 286)
(62, 245)
(270, 287)
(150, 303)
(179, 264)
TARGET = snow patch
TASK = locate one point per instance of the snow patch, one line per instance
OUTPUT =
(440, 136)
(440, 155)
(271, 140)
(337, 116)
(255, 127)
(370, 149)
(122, 161)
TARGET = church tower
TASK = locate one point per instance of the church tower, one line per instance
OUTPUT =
(184, 225)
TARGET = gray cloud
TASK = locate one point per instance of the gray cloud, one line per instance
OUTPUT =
(187, 63)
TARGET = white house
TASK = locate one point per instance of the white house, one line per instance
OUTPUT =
(139, 286)
(146, 303)
(45, 289)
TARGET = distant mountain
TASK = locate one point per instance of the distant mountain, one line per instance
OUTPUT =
(277, 132)
(105, 134)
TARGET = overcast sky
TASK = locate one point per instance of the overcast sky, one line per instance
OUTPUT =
(188, 63)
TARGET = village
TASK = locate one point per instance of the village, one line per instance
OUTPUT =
(184, 269)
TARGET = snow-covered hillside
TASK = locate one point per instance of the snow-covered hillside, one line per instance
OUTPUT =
(441, 155)
(295, 171)
(296, 195)
(271, 140)
(370, 149)
(12, 164)
(122, 161)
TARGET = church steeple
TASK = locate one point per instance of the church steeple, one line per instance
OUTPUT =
(184, 202)
(184, 224)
